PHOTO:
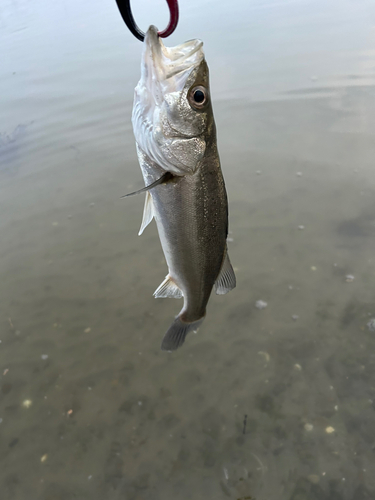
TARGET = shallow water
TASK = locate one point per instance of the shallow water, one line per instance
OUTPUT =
(90, 407)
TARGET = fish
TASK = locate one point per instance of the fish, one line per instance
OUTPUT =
(176, 144)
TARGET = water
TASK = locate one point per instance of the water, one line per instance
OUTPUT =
(90, 407)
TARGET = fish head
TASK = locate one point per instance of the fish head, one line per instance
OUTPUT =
(172, 113)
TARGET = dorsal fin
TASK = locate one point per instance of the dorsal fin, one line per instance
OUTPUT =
(226, 280)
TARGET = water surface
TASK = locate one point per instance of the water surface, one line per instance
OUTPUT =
(90, 407)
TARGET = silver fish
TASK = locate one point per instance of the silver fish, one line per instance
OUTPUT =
(175, 134)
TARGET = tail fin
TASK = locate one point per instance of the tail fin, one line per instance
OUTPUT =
(175, 336)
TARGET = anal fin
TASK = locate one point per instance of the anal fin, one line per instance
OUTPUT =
(148, 213)
(226, 280)
(168, 289)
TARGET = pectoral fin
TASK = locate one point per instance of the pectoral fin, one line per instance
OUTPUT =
(226, 280)
(148, 213)
(168, 289)
(163, 180)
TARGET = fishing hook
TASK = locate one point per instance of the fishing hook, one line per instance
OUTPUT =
(126, 13)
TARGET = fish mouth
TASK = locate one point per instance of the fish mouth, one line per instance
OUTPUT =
(166, 69)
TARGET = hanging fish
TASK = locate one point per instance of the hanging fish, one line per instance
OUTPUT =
(175, 136)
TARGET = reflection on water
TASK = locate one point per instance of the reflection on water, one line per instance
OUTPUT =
(90, 408)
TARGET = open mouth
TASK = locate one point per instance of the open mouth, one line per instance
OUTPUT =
(169, 66)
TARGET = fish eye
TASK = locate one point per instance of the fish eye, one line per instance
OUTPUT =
(198, 97)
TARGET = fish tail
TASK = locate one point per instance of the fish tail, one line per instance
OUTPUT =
(175, 336)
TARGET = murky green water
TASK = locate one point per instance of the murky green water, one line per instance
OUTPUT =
(90, 408)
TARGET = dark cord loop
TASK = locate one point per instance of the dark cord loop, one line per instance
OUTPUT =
(126, 13)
